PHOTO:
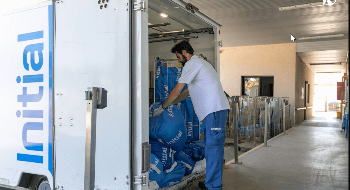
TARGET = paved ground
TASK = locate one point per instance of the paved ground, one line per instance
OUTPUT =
(313, 155)
(229, 153)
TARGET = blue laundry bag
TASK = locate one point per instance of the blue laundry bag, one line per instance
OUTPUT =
(192, 122)
(185, 159)
(166, 80)
(195, 149)
(173, 175)
(163, 152)
(156, 172)
(169, 127)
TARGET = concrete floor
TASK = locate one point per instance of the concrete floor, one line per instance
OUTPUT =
(313, 155)
(229, 153)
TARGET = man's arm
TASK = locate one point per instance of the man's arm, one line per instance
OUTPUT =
(182, 96)
(173, 94)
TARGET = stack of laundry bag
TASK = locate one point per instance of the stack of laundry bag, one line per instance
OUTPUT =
(176, 148)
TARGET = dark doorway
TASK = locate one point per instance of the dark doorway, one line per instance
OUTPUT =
(306, 97)
(266, 86)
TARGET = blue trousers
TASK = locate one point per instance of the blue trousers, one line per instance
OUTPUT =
(214, 136)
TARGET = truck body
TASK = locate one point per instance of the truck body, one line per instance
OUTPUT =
(50, 53)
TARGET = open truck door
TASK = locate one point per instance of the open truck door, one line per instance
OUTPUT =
(140, 96)
(92, 49)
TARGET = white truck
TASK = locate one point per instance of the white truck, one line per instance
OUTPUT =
(51, 53)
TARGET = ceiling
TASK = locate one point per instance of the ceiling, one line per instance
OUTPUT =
(180, 23)
(259, 22)
(178, 19)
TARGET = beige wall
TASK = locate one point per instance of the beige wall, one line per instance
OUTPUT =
(303, 73)
(277, 60)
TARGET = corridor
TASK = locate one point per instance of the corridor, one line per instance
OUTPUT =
(313, 155)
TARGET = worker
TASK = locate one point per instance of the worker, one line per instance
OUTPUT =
(210, 104)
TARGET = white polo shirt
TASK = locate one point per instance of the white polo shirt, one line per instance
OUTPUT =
(204, 86)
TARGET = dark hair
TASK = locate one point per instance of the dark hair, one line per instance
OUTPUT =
(184, 45)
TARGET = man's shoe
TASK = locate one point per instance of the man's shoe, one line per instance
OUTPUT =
(202, 186)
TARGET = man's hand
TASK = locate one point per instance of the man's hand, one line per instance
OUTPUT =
(158, 111)
(174, 94)
(182, 96)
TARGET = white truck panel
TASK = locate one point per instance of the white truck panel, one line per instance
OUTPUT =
(92, 49)
(25, 98)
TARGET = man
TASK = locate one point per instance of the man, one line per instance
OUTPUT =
(210, 104)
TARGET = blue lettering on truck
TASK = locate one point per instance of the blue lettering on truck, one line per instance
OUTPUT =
(35, 82)
(26, 98)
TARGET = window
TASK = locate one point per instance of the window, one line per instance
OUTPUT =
(257, 86)
(251, 86)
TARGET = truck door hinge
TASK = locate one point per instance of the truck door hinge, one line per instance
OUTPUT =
(140, 6)
(146, 157)
(140, 180)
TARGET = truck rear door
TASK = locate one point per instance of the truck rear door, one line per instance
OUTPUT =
(92, 50)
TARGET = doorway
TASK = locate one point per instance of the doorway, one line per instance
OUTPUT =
(306, 97)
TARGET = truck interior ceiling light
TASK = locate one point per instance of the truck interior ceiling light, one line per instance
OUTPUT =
(308, 5)
(318, 37)
(163, 15)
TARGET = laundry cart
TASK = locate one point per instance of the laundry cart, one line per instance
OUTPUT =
(251, 121)
(245, 121)
(260, 105)
(288, 113)
(168, 72)
(248, 123)
(229, 128)
(276, 112)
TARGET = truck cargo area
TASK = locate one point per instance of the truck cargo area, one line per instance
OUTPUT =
(171, 22)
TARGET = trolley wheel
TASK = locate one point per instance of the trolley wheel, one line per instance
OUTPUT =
(40, 183)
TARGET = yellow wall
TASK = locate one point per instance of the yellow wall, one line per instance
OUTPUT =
(277, 60)
(303, 73)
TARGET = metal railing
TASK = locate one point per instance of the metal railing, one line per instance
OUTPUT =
(298, 109)
(255, 120)
(258, 119)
